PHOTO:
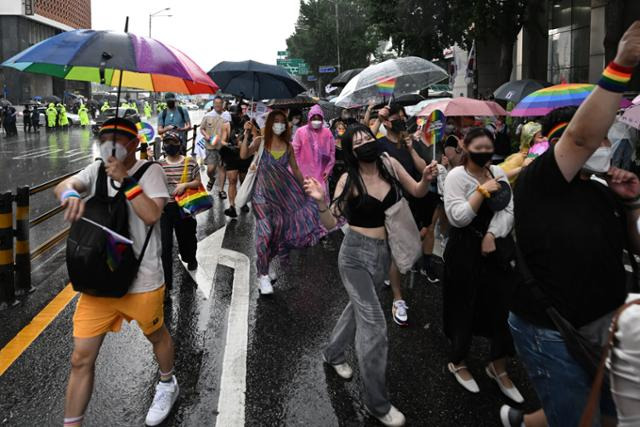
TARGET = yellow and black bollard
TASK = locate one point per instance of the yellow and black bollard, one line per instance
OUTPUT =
(7, 295)
(23, 253)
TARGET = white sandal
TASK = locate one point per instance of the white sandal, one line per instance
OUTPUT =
(511, 392)
(469, 385)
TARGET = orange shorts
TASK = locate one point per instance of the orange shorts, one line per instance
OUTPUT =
(95, 316)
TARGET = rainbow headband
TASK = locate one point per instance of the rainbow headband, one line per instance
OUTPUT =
(116, 128)
(557, 130)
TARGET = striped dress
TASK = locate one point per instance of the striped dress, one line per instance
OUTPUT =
(285, 217)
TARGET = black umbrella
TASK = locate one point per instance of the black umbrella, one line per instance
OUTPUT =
(255, 80)
(343, 78)
(300, 101)
(330, 110)
(405, 100)
(515, 91)
(51, 98)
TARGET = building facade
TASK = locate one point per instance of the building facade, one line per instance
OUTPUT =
(24, 23)
(563, 41)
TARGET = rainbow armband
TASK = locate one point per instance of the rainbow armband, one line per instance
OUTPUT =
(615, 78)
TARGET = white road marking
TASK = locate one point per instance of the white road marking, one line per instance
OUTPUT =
(208, 253)
(233, 381)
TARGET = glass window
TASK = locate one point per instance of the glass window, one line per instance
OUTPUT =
(580, 47)
(581, 13)
(560, 13)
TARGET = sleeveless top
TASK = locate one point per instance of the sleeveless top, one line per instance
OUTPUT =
(370, 213)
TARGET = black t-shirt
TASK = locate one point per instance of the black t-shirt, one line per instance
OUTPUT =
(402, 155)
(572, 235)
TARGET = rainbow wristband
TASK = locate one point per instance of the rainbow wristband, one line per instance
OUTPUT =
(615, 78)
(131, 188)
(68, 194)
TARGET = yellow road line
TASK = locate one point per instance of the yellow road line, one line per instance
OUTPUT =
(29, 333)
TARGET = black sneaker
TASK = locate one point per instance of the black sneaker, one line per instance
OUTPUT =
(511, 417)
(231, 212)
(222, 195)
(244, 209)
(192, 266)
(210, 186)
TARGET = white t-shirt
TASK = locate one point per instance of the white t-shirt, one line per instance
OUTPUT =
(226, 116)
(154, 185)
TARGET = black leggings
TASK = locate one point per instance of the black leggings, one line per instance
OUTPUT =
(185, 229)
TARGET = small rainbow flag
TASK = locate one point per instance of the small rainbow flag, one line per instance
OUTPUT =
(386, 86)
(141, 135)
(434, 128)
(115, 249)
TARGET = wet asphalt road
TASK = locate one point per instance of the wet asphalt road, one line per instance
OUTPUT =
(287, 384)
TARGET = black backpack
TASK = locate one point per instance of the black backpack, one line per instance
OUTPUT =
(87, 245)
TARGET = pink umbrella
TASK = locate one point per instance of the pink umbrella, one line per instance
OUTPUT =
(464, 107)
(631, 117)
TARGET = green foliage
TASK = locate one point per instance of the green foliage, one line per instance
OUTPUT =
(314, 39)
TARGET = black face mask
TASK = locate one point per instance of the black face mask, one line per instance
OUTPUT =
(480, 159)
(171, 150)
(398, 126)
(367, 153)
(171, 104)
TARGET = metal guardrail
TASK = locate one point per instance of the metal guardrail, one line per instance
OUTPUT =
(15, 253)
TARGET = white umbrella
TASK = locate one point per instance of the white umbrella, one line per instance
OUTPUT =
(392, 78)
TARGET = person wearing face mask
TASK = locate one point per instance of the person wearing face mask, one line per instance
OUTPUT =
(572, 232)
(479, 206)
(296, 121)
(399, 145)
(362, 195)
(172, 217)
(285, 218)
(314, 147)
(174, 118)
(94, 316)
(530, 135)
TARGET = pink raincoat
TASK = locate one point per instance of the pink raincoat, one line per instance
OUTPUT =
(315, 149)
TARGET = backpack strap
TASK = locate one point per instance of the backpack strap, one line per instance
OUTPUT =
(138, 174)
(594, 394)
(146, 243)
(101, 181)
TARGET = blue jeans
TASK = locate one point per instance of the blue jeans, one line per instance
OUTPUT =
(560, 382)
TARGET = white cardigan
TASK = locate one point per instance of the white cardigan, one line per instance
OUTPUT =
(458, 186)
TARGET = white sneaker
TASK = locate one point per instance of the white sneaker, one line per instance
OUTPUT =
(393, 418)
(343, 370)
(264, 283)
(166, 395)
(399, 311)
(387, 283)
(273, 275)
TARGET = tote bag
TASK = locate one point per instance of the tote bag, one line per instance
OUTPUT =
(246, 189)
(194, 200)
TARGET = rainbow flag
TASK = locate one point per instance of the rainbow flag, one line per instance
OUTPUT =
(115, 249)
(434, 128)
(386, 87)
(141, 135)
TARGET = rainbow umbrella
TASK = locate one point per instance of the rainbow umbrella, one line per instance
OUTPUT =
(541, 102)
(115, 59)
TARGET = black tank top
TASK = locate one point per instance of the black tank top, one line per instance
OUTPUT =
(370, 213)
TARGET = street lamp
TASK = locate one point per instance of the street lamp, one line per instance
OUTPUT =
(338, 37)
(157, 15)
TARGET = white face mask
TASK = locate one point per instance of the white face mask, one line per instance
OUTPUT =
(106, 148)
(279, 128)
(316, 124)
(600, 161)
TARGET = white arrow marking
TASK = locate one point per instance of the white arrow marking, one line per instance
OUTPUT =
(207, 256)
(233, 380)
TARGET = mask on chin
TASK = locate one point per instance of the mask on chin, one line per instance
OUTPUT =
(599, 162)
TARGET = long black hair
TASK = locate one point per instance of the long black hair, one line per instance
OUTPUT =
(354, 188)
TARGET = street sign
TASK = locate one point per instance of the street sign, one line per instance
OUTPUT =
(327, 69)
(294, 66)
(311, 78)
(283, 53)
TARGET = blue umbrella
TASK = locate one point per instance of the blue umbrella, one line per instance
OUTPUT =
(255, 80)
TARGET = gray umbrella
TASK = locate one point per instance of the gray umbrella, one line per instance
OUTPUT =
(343, 78)
(411, 74)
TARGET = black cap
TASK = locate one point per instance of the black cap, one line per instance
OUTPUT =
(169, 96)
(120, 126)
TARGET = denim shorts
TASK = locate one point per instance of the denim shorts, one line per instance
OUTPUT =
(561, 384)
